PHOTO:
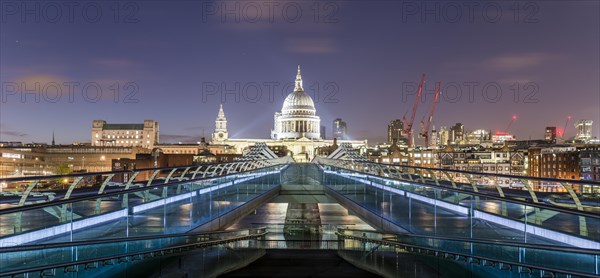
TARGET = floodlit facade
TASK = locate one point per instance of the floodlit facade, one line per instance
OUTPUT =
(297, 128)
(584, 130)
(144, 135)
(298, 117)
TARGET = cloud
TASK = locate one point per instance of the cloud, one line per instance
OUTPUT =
(310, 45)
(41, 79)
(519, 80)
(519, 61)
(176, 138)
(39, 83)
(13, 133)
(5, 131)
(112, 63)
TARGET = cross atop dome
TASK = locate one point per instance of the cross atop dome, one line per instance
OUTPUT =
(298, 86)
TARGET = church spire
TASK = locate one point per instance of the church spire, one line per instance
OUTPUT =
(298, 86)
(221, 113)
(220, 133)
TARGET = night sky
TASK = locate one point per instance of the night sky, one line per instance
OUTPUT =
(175, 61)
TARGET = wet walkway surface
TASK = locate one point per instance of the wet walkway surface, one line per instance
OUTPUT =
(300, 263)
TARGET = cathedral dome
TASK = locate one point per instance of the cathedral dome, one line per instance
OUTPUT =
(298, 102)
(298, 117)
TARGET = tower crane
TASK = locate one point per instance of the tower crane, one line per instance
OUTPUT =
(425, 128)
(512, 120)
(562, 136)
(409, 124)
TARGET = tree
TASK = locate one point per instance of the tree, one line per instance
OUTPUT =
(63, 169)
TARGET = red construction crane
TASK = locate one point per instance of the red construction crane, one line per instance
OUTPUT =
(512, 120)
(425, 129)
(562, 136)
(408, 125)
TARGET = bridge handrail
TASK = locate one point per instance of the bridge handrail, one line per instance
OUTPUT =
(485, 241)
(322, 160)
(116, 193)
(495, 197)
(88, 174)
(201, 244)
(436, 251)
(36, 246)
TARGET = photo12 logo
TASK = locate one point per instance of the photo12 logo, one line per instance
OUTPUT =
(71, 92)
(269, 91)
(270, 11)
(68, 11)
(471, 12)
(474, 91)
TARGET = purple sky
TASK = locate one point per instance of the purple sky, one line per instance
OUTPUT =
(174, 59)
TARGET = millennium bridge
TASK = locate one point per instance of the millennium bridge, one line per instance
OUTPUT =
(224, 219)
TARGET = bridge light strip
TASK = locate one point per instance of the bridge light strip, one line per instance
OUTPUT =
(435, 202)
(169, 200)
(61, 229)
(162, 202)
(538, 231)
(516, 225)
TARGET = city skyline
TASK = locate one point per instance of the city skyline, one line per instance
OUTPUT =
(344, 138)
(167, 68)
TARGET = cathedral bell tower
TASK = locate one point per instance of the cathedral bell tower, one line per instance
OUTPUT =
(220, 134)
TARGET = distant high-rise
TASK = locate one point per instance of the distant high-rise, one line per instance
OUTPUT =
(550, 134)
(457, 134)
(395, 131)
(340, 129)
(443, 136)
(125, 135)
(584, 130)
(323, 133)
(478, 136)
(433, 138)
